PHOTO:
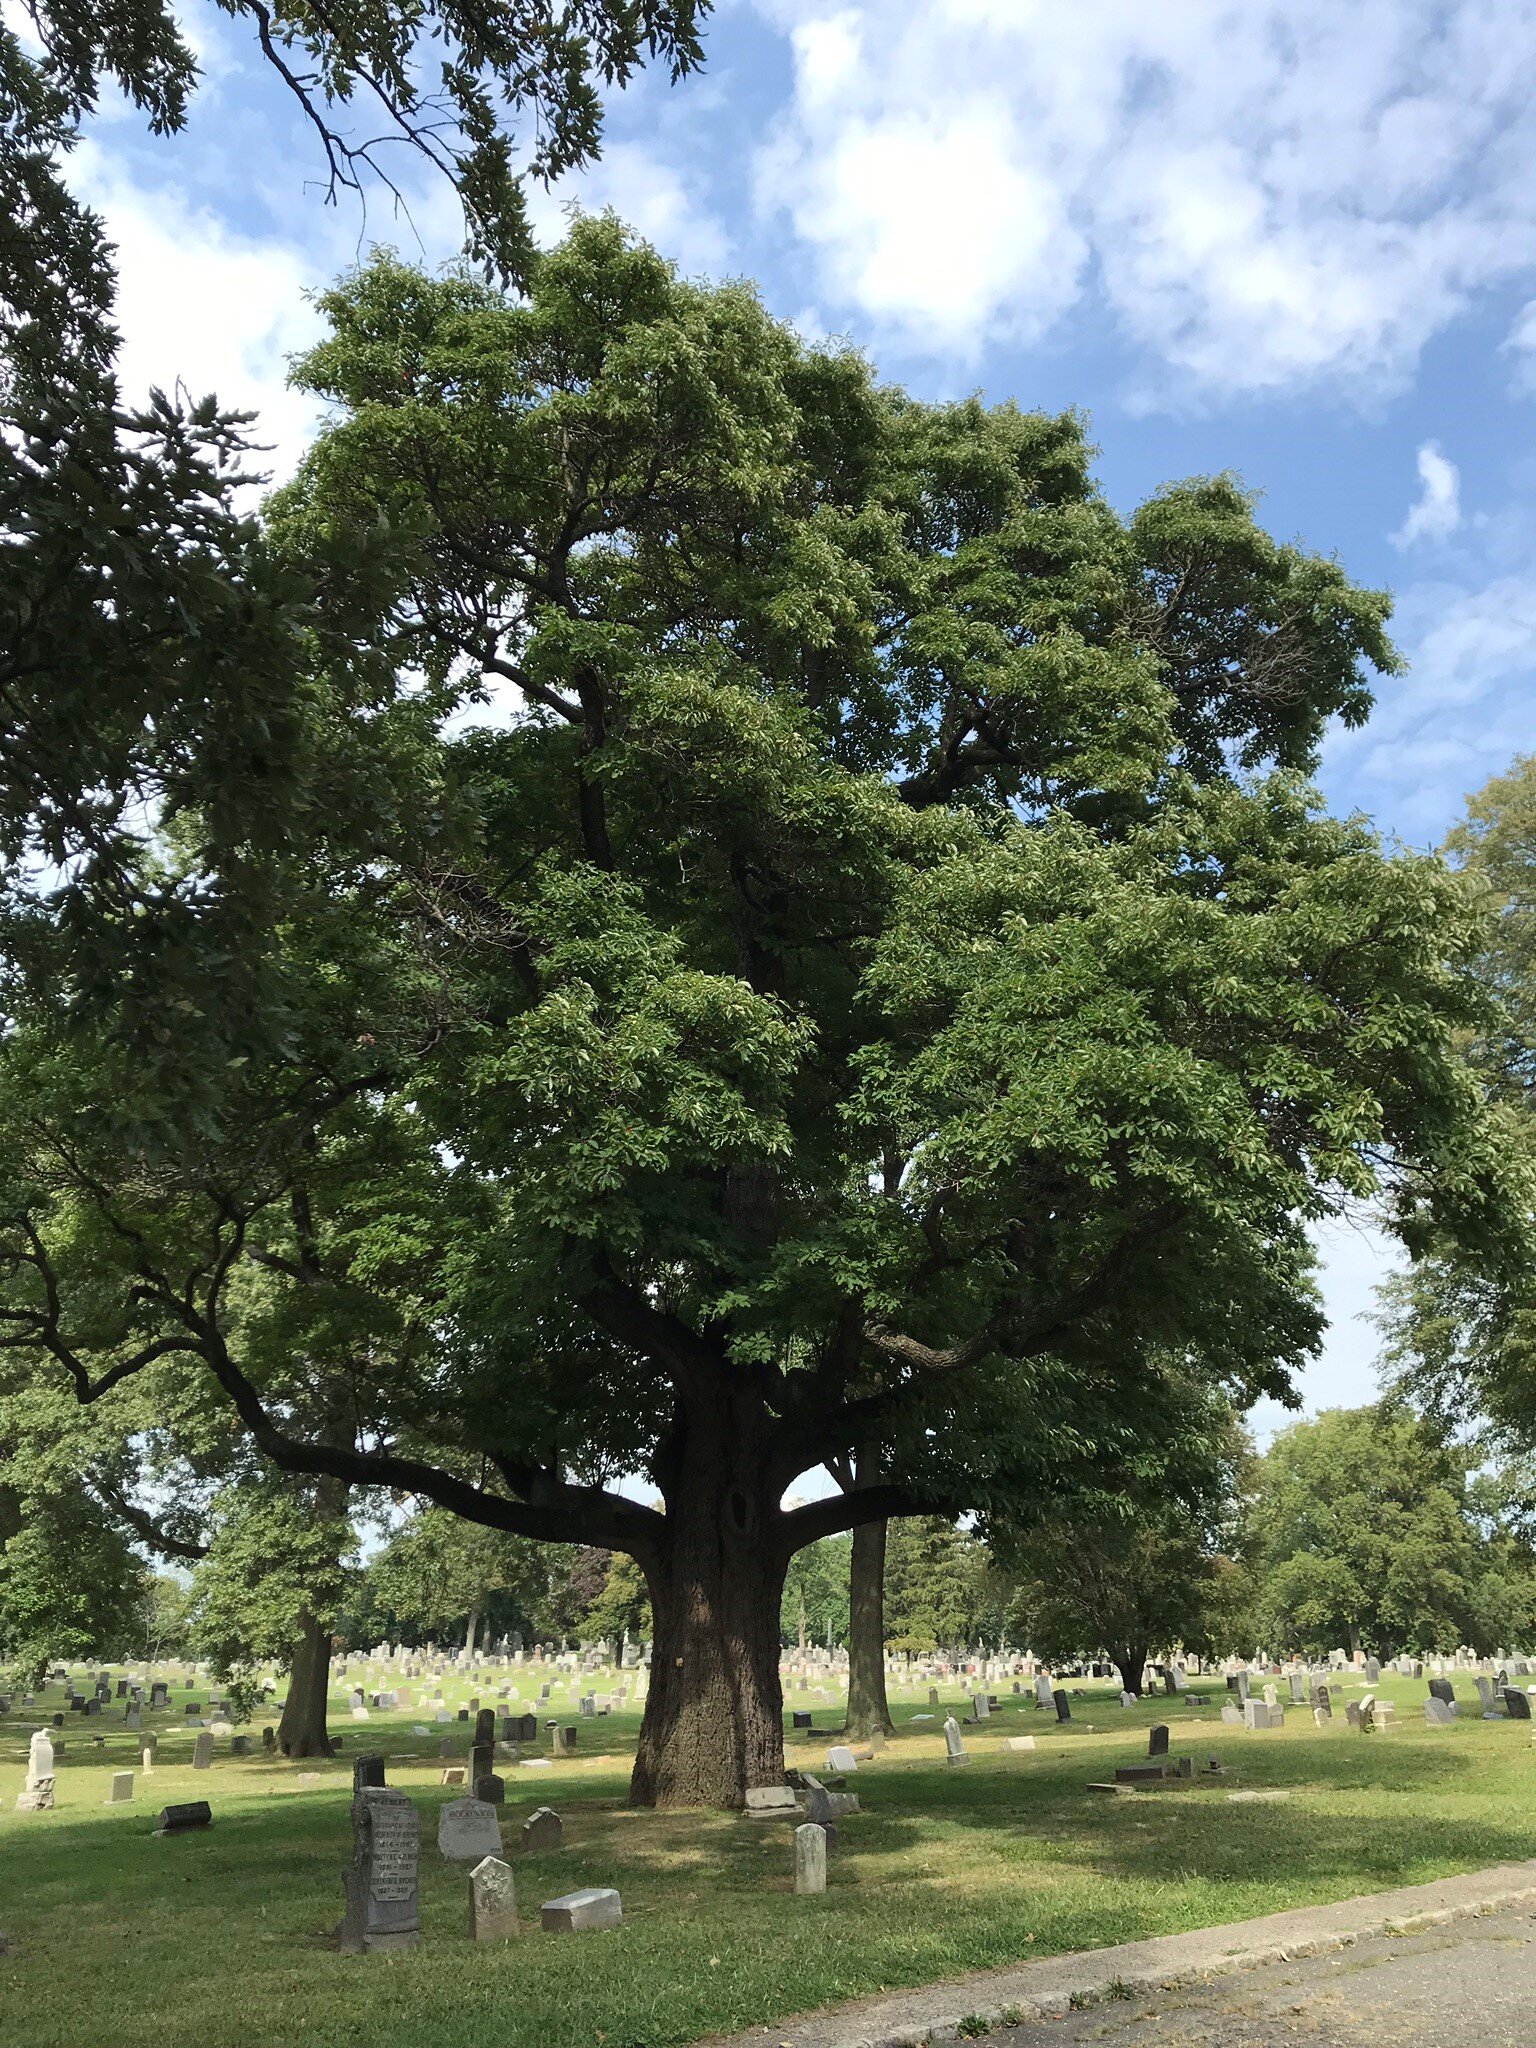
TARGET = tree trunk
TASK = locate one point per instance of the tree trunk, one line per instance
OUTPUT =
(302, 1730)
(868, 1711)
(1132, 1662)
(471, 1632)
(713, 1722)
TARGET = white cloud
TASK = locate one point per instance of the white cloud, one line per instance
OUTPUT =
(648, 194)
(1261, 195)
(1436, 512)
(1462, 709)
(204, 306)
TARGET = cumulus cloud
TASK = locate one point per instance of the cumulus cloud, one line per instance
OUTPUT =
(201, 305)
(1261, 196)
(1459, 712)
(1436, 512)
(648, 193)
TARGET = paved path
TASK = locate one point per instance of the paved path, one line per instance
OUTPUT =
(1469, 1985)
(1421, 1966)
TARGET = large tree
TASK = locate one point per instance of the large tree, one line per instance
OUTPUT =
(872, 985)
(1461, 1329)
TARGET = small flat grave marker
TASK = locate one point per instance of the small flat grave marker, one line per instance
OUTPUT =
(581, 1912)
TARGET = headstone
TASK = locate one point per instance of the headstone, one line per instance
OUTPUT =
(1516, 1705)
(954, 1747)
(467, 1829)
(1063, 1706)
(1157, 1740)
(1437, 1713)
(36, 1796)
(1021, 1742)
(202, 1751)
(581, 1912)
(367, 1773)
(1323, 1710)
(543, 1831)
(766, 1802)
(1232, 1714)
(841, 1758)
(122, 1788)
(179, 1820)
(383, 1909)
(1441, 1689)
(492, 1901)
(810, 1858)
(147, 1753)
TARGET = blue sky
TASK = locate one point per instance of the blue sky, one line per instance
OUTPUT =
(1295, 241)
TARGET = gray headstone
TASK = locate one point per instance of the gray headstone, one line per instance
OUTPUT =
(542, 1831)
(581, 1912)
(954, 1746)
(467, 1830)
(492, 1901)
(810, 1858)
(122, 1788)
(202, 1751)
(383, 1908)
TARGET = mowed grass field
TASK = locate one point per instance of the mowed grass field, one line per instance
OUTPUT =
(116, 1936)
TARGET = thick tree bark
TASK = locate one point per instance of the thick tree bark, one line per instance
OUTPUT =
(1132, 1660)
(713, 1723)
(868, 1710)
(471, 1632)
(302, 1729)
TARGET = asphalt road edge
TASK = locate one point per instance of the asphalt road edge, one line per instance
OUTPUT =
(1054, 1984)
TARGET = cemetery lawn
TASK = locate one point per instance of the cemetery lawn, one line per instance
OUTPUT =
(117, 1937)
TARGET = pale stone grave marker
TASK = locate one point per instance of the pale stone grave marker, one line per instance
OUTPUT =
(467, 1829)
(581, 1912)
(492, 1901)
(810, 1858)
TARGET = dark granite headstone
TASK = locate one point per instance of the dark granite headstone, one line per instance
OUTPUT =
(485, 1728)
(178, 1820)
(1442, 1689)
(490, 1788)
(367, 1774)
(1516, 1705)
(1063, 1706)
(800, 1718)
(1157, 1740)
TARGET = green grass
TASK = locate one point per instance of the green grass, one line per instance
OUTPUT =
(119, 1937)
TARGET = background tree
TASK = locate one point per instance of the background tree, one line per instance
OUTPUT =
(938, 1593)
(440, 1576)
(266, 1593)
(1461, 1328)
(814, 1608)
(852, 1005)
(1134, 1569)
(1365, 1539)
